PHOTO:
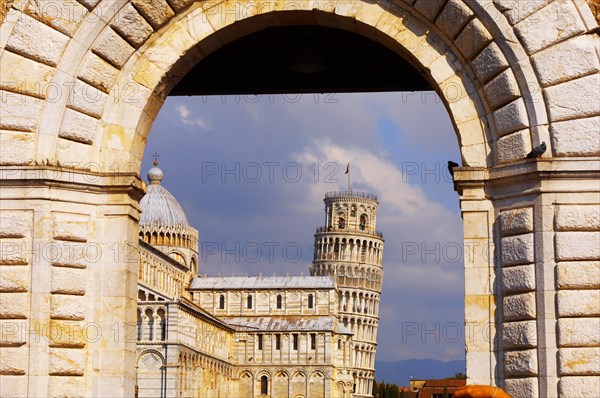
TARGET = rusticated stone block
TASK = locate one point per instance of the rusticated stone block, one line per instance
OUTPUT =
(132, 26)
(519, 335)
(519, 307)
(97, 72)
(518, 279)
(15, 224)
(516, 221)
(514, 146)
(66, 362)
(522, 388)
(18, 149)
(489, 63)
(70, 227)
(113, 48)
(577, 246)
(14, 386)
(430, 9)
(579, 332)
(67, 307)
(517, 10)
(574, 99)
(87, 99)
(13, 332)
(78, 127)
(14, 279)
(578, 275)
(511, 117)
(14, 305)
(70, 334)
(19, 112)
(72, 255)
(453, 18)
(567, 60)
(577, 218)
(502, 89)
(179, 5)
(576, 137)
(157, 12)
(577, 387)
(517, 250)
(14, 252)
(520, 363)
(549, 25)
(579, 361)
(13, 361)
(578, 302)
(36, 40)
(68, 281)
(64, 16)
(25, 76)
(473, 38)
(66, 386)
(90, 4)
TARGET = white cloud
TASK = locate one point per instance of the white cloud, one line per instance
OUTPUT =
(184, 114)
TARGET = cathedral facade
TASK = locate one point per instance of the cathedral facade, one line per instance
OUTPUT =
(276, 336)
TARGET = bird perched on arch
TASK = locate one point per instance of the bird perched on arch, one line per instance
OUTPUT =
(537, 151)
(451, 166)
(476, 391)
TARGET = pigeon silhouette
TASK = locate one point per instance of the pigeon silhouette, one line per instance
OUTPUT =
(537, 151)
(451, 166)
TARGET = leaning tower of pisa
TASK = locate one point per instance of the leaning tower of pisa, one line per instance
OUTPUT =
(350, 248)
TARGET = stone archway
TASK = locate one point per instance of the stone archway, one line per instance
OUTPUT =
(83, 81)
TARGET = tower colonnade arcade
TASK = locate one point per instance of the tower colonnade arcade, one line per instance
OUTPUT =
(511, 74)
(350, 249)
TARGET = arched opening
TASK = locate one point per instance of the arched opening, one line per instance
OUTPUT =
(279, 302)
(264, 385)
(495, 131)
(222, 302)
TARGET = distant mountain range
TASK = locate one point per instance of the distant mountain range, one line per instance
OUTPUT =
(401, 371)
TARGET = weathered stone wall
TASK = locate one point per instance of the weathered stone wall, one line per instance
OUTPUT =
(82, 82)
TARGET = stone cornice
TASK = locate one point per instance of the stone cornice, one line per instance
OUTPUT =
(525, 176)
(64, 178)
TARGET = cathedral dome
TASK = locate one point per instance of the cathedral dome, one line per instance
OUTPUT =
(159, 206)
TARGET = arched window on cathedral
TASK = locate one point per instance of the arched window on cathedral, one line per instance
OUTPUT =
(279, 301)
(264, 385)
(150, 317)
(222, 302)
(311, 301)
(140, 325)
(249, 302)
(163, 324)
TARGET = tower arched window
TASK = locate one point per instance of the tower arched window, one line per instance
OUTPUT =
(311, 300)
(353, 211)
(363, 222)
(279, 301)
(249, 302)
(341, 223)
(222, 302)
(264, 385)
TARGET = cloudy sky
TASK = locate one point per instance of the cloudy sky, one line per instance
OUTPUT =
(251, 173)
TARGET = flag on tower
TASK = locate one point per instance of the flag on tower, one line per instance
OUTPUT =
(347, 168)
